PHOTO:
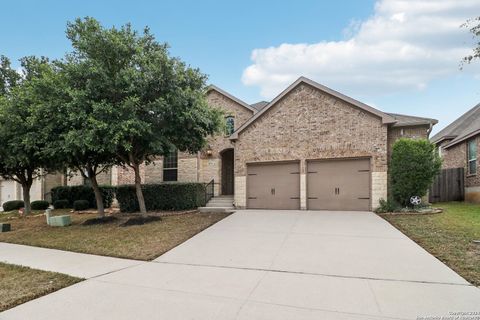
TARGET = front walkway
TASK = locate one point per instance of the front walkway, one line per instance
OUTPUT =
(74, 264)
(273, 265)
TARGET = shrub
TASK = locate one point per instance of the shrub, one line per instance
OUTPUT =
(61, 204)
(164, 196)
(388, 205)
(40, 205)
(83, 192)
(413, 167)
(13, 205)
(79, 205)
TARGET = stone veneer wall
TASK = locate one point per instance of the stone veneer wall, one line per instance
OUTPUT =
(310, 124)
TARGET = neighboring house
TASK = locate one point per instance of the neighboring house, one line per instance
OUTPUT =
(459, 146)
(12, 190)
(309, 148)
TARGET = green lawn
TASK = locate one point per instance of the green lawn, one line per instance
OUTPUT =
(21, 284)
(447, 235)
(141, 242)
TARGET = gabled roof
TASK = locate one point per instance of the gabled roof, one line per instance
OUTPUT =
(259, 105)
(228, 95)
(466, 126)
(404, 120)
(386, 118)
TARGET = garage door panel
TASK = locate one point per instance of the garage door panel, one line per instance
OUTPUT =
(273, 186)
(338, 184)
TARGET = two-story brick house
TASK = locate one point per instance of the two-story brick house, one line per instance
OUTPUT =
(309, 148)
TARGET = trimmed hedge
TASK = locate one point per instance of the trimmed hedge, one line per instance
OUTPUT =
(61, 204)
(73, 193)
(164, 196)
(79, 205)
(413, 167)
(13, 205)
(40, 205)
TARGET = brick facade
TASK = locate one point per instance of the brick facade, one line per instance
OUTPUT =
(412, 132)
(310, 124)
(456, 157)
(210, 166)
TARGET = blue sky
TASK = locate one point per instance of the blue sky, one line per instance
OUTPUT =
(396, 57)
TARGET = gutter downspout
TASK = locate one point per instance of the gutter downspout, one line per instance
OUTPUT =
(429, 130)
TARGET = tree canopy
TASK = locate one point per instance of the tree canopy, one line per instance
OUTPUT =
(473, 26)
(142, 102)
(23, 155)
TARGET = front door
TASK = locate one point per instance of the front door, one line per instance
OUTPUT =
(227, 172)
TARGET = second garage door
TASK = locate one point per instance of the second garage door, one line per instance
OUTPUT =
(273, 186)
(338, 184)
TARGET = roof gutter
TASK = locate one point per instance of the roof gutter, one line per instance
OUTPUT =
(466, 137)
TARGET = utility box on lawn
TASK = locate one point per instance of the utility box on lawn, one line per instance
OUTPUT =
(60, 221)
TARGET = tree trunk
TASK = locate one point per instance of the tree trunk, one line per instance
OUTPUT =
(138, 189)
(26, 197)
(98, 196)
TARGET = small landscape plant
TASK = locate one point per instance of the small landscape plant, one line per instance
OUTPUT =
(79, 205)
(388, 205)
(13, 205)
(61, 204)
(40, 205)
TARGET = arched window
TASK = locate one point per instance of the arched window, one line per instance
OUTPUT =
(230, 125)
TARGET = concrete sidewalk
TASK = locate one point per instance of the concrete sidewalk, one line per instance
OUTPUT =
(74, 264)
(266, 265)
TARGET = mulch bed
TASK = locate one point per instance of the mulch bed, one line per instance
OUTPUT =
(140, 220)
(417, 212)
(99, 220)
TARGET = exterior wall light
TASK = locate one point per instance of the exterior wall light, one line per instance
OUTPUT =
(209, 151)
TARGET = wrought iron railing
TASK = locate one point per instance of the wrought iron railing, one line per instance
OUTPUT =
(209, 190)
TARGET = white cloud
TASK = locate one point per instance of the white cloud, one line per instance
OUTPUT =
(404, 45)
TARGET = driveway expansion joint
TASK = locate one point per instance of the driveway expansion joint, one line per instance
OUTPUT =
(318, 274)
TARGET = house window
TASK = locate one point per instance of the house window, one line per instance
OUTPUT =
(472, 156)
(170, 167)
(230, 125)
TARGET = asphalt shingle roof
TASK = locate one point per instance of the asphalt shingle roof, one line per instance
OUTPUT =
(405, 120)
(465, 126)
(259, 105)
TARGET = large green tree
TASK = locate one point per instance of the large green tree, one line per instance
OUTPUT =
(147, 102)
(22, 156)
(78, 126)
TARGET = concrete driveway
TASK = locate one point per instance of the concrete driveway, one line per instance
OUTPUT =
(278, 265)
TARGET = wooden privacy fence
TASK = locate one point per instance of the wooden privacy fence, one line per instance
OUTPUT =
(448, 186)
